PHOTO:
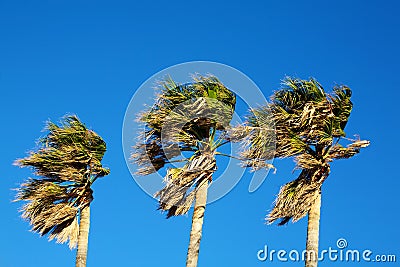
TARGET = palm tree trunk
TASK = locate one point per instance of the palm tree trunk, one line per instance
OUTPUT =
(197, 224)
(83, 237)
(313, 233)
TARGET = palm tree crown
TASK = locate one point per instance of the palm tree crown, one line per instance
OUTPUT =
(66, 164)
(187, 119)
(304, 122)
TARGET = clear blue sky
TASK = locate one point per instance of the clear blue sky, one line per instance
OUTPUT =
(89, 57)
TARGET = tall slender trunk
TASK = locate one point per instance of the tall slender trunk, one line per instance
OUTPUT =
(83, 237)
(313, 233)
(197, 224)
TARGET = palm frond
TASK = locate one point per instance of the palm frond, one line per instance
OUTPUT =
(294, 201)
(66, 163)
(181, 184)
(296, 93)
(258, 139)
(342, 107)
(296, 197)
(339, 152)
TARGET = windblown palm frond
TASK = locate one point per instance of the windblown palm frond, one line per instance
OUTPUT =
(66, 163)
(341, 108)
(258, 138)
(192, 118)
(177, 197)
(308, 124)
(296, 198)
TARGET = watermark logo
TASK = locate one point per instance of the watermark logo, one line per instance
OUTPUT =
(341, 243)
(340, 253)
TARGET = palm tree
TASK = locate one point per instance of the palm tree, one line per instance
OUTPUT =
(66, 164)
(303, 122)
(187, 124)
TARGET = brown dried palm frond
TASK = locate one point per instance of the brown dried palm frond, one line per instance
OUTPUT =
(65, 231)
(58, 220)
(307, 162)
(339, 152)
(296, 197)
(66, 163)
(294, 201)
(181, 184)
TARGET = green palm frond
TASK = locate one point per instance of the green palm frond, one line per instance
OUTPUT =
(342, 107)
(66, 163)
(296, 93)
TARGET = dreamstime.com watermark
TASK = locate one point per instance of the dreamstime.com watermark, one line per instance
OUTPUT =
(338, 254)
